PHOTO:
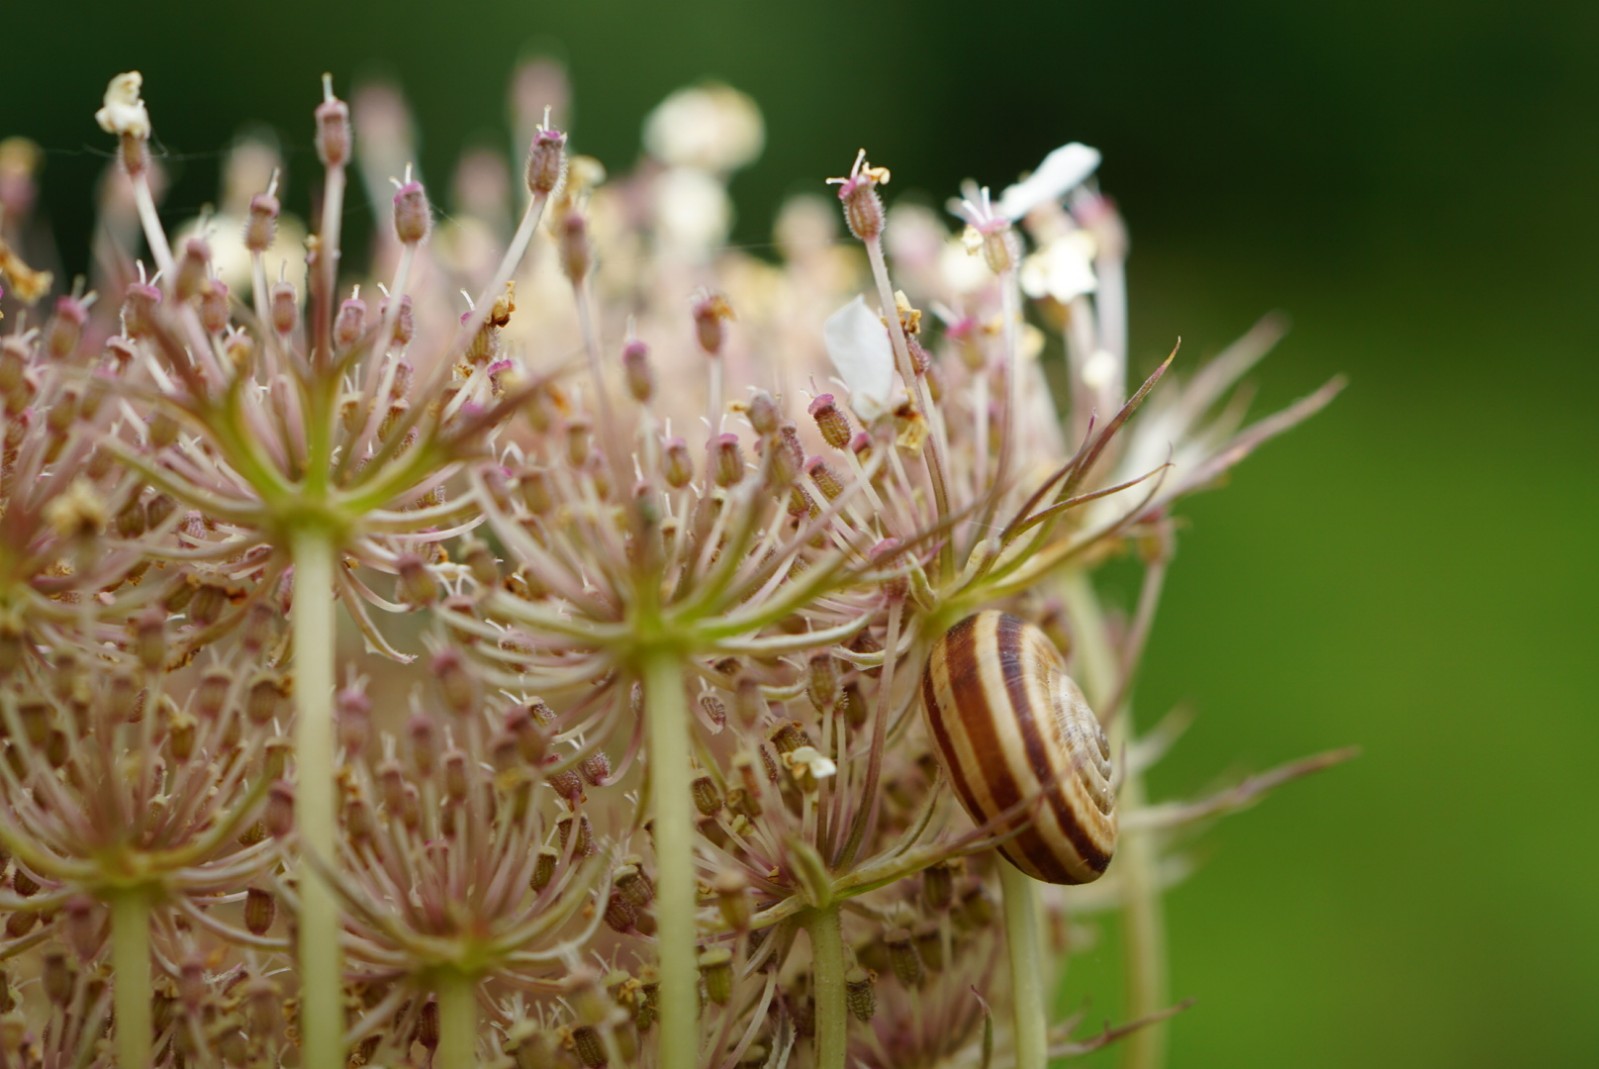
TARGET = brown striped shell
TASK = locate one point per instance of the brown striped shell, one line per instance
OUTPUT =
(1010, 725)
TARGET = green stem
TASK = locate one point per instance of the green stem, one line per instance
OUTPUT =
(457, 994)
(1143, 925)
(130, 965)
(827, 963)
(667, 728)
(1024, 948)
(315, 812)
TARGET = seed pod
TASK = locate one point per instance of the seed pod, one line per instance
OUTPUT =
(259, 910)
(860, 993)
(903, 958)
(707, 799)
(732, 898)
(544, 868)
(1010, 725)
(716, 969)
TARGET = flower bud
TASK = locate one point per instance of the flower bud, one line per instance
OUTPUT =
(260, 627)
(350, 322)
(575, 254)
(352, 718)
(81, 926)
(710, 314)
(860, 993)
(418, 586)
(714, 710)
(938, 885)
(826, 480)
(194, 268)
(595, 769)
(359, 825)
(275, 758)
(568, 785)
(636, 369)
(57, 977)
(675, 464)
(260, 909)
(279, 813)
(404, 330)
(589, 1047)
(764, 415)
(150, 639)
(427, 1027)
(332, 128)
(821, 684)
(214, 307)
(457, 776)
(455, 683)
(787, 458)
(267, 699)
(424, 742)
(181, 734)
(585, 835)
(544, 868)
(284, 307)
(262, 1000)
(479, 560)
(716, 969)
(634, 885)
(903, 958)
(211, 694)
(413, 218)
(534, 486)
(139, 302)
(831, 421)
(733, 899)
(579, 440)
(619, 912)
(726, 461)
(261, 227)
(707, 799)
(863, 207)
(16, 354)
(546, 161)
(66, 327)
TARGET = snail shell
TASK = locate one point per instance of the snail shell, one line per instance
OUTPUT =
(1010, 725)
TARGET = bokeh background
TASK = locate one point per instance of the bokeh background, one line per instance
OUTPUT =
(1414, 183)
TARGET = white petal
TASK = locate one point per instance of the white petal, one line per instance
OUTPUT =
(693, 210)
(1061, 172)
(124, 112)
(858, 345)
(712, 127)
(1063, 269)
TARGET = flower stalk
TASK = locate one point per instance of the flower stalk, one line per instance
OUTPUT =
(315, 808)
(827, 984)
(130, 964)
(457, 995)
(667, 732)
(1024, 951)
(1143, 926)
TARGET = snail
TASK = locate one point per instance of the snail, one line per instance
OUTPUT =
(1010, 725)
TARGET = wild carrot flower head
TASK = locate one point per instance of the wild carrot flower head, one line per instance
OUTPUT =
(673, 531)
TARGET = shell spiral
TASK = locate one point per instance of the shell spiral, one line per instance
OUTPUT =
(1010, 725)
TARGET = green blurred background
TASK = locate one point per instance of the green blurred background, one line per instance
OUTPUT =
(1413, 182)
